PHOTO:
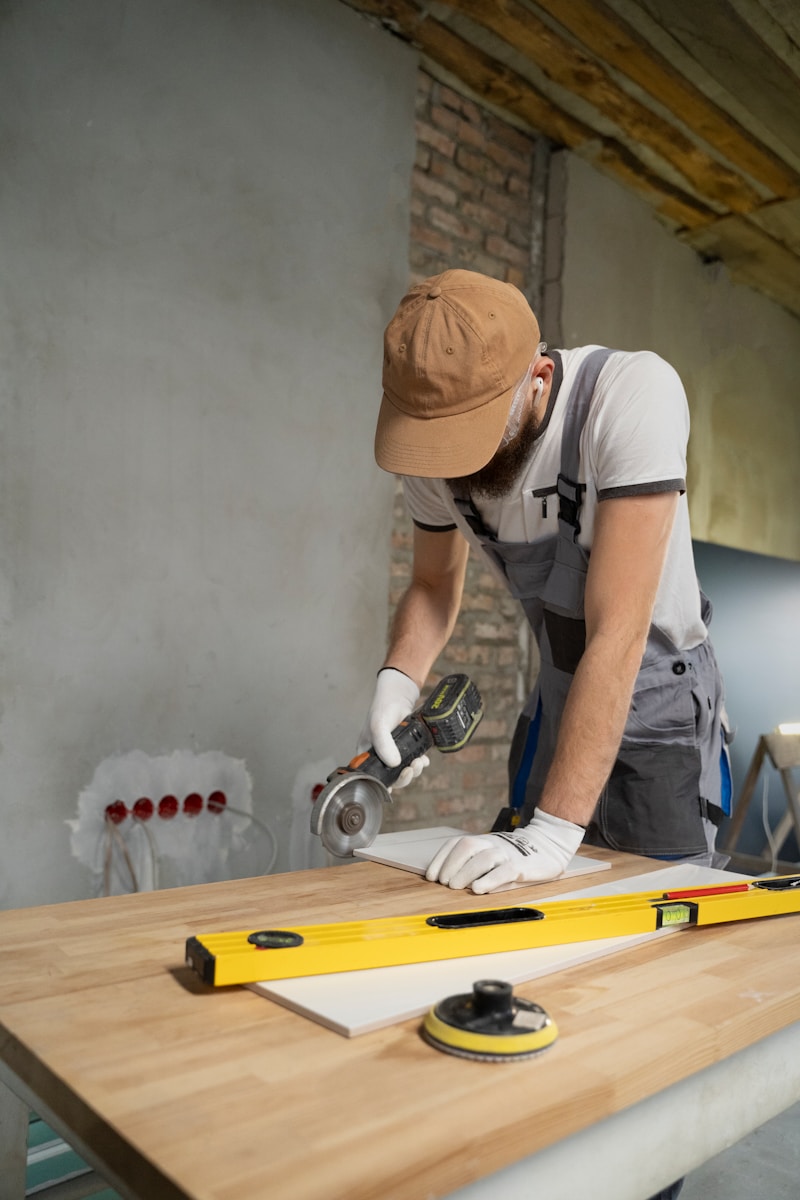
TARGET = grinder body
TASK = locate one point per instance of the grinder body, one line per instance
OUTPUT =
(348, 812)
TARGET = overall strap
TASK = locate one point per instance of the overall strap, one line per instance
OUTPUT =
(466, 507)
(570, 491)
(468, 510)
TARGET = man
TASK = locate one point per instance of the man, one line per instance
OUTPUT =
(567, 471)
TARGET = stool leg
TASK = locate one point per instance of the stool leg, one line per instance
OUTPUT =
(792, 800)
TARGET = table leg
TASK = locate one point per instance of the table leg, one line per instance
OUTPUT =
(13, 1144)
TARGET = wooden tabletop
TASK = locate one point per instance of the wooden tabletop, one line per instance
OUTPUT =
(186, 1091)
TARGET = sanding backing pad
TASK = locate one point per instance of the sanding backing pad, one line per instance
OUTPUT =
(489, 1025)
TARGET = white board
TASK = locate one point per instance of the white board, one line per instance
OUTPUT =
(413, 849)
(355, 1002)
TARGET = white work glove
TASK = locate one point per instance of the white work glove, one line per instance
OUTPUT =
(396, 696)
(494, 861)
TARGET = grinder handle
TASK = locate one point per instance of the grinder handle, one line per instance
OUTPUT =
(412, 738)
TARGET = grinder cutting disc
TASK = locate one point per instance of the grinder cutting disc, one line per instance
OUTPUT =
(490, 1025)
(347, 814)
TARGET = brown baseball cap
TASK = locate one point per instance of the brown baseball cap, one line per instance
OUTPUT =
(454, 352)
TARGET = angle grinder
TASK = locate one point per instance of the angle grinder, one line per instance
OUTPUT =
(348, 812)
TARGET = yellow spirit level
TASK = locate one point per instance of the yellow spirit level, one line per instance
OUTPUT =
(248, 957)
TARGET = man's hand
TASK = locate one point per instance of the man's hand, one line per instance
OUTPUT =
(495, 861)
(395, 697)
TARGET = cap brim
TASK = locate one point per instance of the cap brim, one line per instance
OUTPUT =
(440, 447)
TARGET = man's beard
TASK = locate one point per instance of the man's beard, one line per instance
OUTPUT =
(496, 479)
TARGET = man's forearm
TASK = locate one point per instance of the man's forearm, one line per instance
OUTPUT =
(421, 629)
(591, 730)
(630, 545)
(429, 608)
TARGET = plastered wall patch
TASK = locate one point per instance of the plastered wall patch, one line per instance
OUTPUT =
(181, 814)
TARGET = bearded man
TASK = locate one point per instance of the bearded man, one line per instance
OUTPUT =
(566, 470)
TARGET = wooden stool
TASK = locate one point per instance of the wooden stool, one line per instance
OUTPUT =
(783, 751)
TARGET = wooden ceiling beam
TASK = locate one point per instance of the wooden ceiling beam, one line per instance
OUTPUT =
(731, 51)
(616, 43)
(491, 79)
(781, 221)
(751, 256)
(581, 75)
(500, 86)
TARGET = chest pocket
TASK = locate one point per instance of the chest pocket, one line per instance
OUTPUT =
(566, 581)
(527, 568)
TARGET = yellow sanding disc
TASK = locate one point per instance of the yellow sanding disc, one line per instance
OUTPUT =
(489, 1025)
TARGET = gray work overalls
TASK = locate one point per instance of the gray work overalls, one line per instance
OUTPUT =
(670, 772)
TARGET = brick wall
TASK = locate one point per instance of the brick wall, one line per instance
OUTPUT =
(475, 195)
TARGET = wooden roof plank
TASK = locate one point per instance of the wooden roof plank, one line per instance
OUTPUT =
(732, 53)
(781, 220)
(491, 79)
(578, 73)
(777, 25)
(610, 38)
(501, 86)
(785, 13)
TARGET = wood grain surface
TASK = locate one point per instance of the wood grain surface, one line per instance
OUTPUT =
(184, 1091)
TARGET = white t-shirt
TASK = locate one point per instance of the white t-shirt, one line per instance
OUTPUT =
(633, 443)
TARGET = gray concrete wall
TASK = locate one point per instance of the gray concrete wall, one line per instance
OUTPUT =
(203, 230)
(622, 280)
